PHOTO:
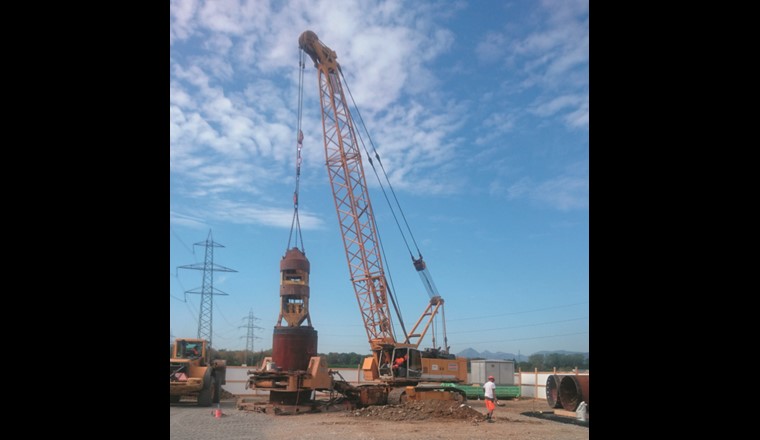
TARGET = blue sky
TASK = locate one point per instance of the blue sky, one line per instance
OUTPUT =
(479, 111)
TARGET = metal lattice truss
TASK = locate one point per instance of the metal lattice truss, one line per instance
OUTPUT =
(352, 203)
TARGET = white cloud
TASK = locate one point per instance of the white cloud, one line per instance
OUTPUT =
(386, 60)
(563, 11)
(187, 131)
(219, 44)
(237, 212)
(579, 117)
(226, 16)
(234, 212)
(495, 126)
(565, 192)
(178, 97)
(548, 108)
(187, 220)
(181, 14)
(233, 94)
(491, 48)
(550, 61)
(519, 189)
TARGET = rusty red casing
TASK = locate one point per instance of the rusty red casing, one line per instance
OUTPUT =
(552, 390)
(293, 347)
(573, 390)
(295, 261)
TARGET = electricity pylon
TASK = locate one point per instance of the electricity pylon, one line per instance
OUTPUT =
(250, 336)
(207, 290)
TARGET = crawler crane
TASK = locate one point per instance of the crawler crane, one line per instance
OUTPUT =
(426, 374)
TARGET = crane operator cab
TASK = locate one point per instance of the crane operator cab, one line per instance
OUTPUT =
(189, 350)
(401, 363)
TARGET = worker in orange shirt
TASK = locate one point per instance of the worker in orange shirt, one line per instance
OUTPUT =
(399, 365)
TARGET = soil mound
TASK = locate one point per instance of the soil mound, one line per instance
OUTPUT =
(422, 410)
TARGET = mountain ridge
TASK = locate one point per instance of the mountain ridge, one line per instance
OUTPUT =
(471, 353)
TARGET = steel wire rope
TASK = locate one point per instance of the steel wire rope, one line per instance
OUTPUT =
(385, 175)
(392, 287)
(429, 286)
(296, 222)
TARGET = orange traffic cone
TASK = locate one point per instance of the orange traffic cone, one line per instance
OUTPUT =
(218, 412)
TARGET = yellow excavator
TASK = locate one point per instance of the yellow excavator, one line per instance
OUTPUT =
(193, 375)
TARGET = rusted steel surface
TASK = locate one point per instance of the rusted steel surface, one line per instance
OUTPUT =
(299, 290)
(294, 289)
(292, 347)
(294, 259)
(552, 390)
(573, 389)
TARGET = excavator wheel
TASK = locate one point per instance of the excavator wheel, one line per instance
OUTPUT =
(205, 396)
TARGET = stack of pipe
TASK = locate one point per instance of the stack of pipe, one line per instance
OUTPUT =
(573, 389)
(552, 390)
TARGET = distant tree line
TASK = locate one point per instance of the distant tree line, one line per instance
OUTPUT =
(239, 357)
(236, 358)
(550, 361)
(542, 362)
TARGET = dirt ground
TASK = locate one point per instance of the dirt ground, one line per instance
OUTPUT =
(519, 419)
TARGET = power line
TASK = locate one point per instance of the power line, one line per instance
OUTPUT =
(522, 339)
(225, 319)
(176, 297)
(176, 276)
(521, 312)
(481, 330)
(180, 240)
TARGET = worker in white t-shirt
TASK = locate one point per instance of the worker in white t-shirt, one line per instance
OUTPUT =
(489, 388)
